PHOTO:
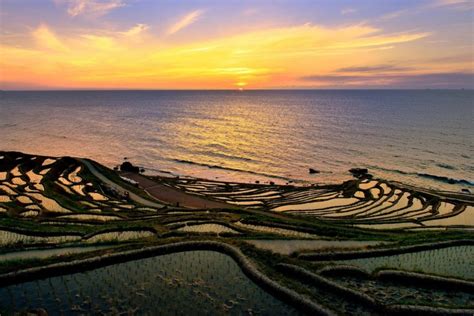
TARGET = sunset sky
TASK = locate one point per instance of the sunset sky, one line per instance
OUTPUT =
(228, 44)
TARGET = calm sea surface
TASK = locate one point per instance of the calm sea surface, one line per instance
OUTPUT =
(418, 137)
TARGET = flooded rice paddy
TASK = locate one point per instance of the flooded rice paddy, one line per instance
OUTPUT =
(375, 204)
(12, 238)
(275, 230)
(408, 294)
(208, 228)
(46, 253)
(287, 247)
(119, 236)
(187, 283)
(62, 203)
(451, 261)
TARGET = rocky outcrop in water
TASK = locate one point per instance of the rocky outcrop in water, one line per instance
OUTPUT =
(129, 167)
(359, 172)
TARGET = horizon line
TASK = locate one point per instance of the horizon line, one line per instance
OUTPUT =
(233, 90)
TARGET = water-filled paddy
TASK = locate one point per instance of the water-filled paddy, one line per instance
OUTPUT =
(317, 205)
(97, 196)
(48, 161)
(466, 217)
(208, 228)
(408, 294)
(10, 238)
(452, 261)
(187, 283)
(73, 177)
(18, 181)
(5, 199)
(286, 247)
(16, 171)
(24, 199)
(7, 189)
(88, 217)
(275, 230)
(34, 177)
(49, 204)
(119, 236)
(45, 253)
(29, 213)
(38, 186)
(79, 189)
(65, 181)
(44, 171)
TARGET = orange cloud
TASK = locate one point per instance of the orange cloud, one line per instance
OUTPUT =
(48, 40)
(259, 59)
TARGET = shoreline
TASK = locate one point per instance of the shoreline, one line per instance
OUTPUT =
(180, 168)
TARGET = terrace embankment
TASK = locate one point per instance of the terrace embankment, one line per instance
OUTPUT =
(341, 255)
(245, 264)
(59, 203)
(363, 202)
(172, 196)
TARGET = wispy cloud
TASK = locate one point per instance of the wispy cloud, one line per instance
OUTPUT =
(396, 14)
(185, 21)
(412, 81)
(92, 7)
(46, 39)
(347, 11)
(136, 30)
(435, 4)
(456, 4)
(372, 69)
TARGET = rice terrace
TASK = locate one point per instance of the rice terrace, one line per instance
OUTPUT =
(79, 238)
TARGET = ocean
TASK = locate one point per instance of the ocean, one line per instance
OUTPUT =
(419, 137)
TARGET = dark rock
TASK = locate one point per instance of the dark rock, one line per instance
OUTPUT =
(312, 171)
(465, 190)
(272, 183)
(359, 172)
(257, 181)
(116, 168)
(128, 167)
(142, 170)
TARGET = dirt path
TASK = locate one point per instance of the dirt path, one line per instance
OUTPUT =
(173, 196)
(117, 187)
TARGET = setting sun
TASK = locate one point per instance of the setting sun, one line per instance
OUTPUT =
(117, 45)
